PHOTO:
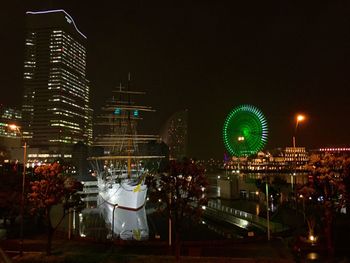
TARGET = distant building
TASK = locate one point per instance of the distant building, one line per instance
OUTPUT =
(289, 159)
(175, 133)
(296, 156)
(56, 107)
(338, 151)
(9, 137)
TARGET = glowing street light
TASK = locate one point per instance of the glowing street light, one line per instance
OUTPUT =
(299, 118)
(14, 127)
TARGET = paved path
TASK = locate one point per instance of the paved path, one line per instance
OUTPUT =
(255, 250)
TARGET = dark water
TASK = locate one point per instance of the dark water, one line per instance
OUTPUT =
(239, 191)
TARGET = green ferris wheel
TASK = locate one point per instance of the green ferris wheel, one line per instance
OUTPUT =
(245, 131)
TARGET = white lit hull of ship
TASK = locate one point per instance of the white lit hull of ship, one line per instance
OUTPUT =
(124, 195)
(127, 202)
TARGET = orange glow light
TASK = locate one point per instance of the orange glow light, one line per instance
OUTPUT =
(13, 127)
(300, 117)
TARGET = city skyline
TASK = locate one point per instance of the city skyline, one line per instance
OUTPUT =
(284, 58)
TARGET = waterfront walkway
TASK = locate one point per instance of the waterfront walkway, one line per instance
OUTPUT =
(243, 219)
(87, 251)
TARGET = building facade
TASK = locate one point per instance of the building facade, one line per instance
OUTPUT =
(56, 108)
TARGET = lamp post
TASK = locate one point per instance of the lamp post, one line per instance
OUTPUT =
(14, 127)
(299, 118)
(267, 208)
(169, 222)
(22, 195)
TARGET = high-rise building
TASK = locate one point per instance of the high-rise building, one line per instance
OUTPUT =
(56, 109)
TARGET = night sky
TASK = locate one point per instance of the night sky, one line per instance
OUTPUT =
(284, 57)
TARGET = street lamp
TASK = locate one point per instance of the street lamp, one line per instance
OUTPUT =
(16, 128)
(267, 208)
(299, 118)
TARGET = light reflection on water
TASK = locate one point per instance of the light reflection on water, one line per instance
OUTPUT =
(242, 187)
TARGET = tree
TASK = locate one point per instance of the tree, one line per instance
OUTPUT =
(53, 187)
(327, 190)
(179, 191)
(10, 189)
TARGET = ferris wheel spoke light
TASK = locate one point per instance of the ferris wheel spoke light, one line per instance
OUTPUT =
(245, 131)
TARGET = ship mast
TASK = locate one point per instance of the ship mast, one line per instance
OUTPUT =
(129, 130)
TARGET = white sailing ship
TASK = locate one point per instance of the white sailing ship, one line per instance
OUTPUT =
(120, 167)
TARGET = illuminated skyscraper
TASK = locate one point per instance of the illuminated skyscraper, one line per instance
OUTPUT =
(174, 134)
(56, 108)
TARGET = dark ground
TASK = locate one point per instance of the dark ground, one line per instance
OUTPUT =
(200, 244)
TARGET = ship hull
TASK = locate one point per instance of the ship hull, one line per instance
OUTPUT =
(123, 208)
(124, 195)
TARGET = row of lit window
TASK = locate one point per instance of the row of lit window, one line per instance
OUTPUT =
(65, 112)
(83, 96)
(61, 71)
(298, 159)
(73, 52)
(60, 140)
(73, 57)
(74, 43)
(52, 47)
(66, 72)
(63, 88)
(11, 114)
(66, 126)
(56, 43)
(79, 68)
(76, 61)
(68, 102)
(296, 149)
(77, 56)
(30, 62)
(69, 53)
(65, 122)
(48, 155)
(72, 48)
(334, 149)
(61, 97)
(69, 65)
(67, 45)
(79, 88)
(66, 75)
